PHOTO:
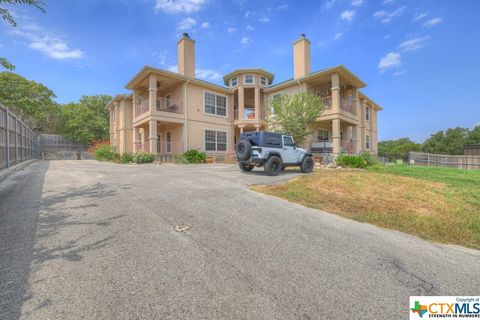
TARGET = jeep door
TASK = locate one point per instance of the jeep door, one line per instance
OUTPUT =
(289, 150)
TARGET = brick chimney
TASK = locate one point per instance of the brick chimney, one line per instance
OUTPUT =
(301, 57)
(186, 56)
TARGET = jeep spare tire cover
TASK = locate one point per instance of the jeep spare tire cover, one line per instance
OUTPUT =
(244, 150)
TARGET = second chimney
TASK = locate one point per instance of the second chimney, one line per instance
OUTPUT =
(186, 56)
(301, 57)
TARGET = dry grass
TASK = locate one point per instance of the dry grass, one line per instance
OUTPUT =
(430, 209)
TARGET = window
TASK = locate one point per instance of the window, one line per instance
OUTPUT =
(215, 104)
(215, 140)
(248, 79)
(367, 142)
(276, 96)
(367, 113)
(288, 142)
(323, 135)
(234, 82)
(169, 142)
(263, 81)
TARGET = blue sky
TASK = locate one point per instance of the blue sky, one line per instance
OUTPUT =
(419, 58)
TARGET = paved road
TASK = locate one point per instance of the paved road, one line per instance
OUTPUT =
(90, 240)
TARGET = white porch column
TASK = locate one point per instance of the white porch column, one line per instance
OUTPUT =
(336, 136)
(362, 125)
(257, 102)
(152, 92)
(358, 142)
(241, 102)
(135, 102)
(152, 138)
(335, 93)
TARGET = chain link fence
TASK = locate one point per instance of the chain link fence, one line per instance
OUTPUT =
(18, 143)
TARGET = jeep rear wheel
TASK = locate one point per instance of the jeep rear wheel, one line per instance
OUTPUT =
(307, 165)
(245, 166)
(273, 166)
(244, 150)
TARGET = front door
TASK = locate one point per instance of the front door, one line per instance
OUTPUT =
(289, 151)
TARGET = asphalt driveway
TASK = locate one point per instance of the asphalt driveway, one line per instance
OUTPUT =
(91, 240)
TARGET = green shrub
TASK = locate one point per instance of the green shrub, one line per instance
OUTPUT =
(195, 156)
(179, 159)
(127, 158)
(369, 158)
(143, 157)
(351, 161)
(104, 152)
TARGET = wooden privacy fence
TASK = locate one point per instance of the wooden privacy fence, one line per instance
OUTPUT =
(18, 142)
(444, 160)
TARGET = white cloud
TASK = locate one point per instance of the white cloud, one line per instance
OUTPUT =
(248, 14)
(387, 1)
(357, 3)
(173, 68)
(386, 37)
(433, 22)
(179, 6)
(386, 17)
(390, 60)
(50, 45)
(338, 35)
(186, 24)
(231, 29)
(328, 4)
(205, 25)
(413, 44)
(245, 40)
(264, 19)
(282, 7)
(207, 74)
(399, 73)
(249, 27)
(347, 15)
(420, 15)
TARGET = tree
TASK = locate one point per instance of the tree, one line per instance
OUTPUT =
(86, 121)
(397, 149)
(474, 136)
(30, 100)
(7, 16)
(296, 114)
(451, 141)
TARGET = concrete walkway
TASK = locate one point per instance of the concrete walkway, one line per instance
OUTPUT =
(91, 240)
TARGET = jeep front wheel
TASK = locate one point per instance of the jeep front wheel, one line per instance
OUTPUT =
(307, 165)
(245, 166)
(273, 166)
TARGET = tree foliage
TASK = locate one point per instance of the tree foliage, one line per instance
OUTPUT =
(86, 121)
(295, 114)
(30, 100)
(450, 141)
(397, 149)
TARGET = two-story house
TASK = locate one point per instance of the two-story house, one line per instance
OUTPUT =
(169, 113)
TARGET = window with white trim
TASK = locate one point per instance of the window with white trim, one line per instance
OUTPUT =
(367, 113)
(263, 81)
(248, 79)
(367, 142)
(215, 140)
(215, 104)
(323, 135)
(233, 82)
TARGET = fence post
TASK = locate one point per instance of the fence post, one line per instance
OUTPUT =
(7, 135)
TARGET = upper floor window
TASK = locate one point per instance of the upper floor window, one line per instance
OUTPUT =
(367, 113)
(215, 104)
(263, 81)
(248, 79)
(367, 142)
(276, 96)
(234, 82)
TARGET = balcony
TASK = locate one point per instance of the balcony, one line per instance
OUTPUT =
(327, 102)
(348, 106)
(162, 104)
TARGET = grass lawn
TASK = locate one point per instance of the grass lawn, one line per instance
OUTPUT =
(439, 204)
